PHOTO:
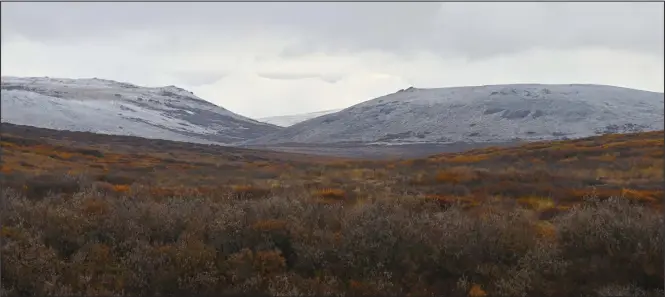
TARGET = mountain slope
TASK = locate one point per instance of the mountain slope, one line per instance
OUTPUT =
(110, 107)
(493, 113)
(290, 120)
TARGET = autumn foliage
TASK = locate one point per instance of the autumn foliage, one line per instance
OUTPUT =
(110, 215)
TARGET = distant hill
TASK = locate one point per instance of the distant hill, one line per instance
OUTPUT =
(290, 120)
(110, 107)
(478, 114)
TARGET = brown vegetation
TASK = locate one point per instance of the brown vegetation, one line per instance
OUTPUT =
(104, 215)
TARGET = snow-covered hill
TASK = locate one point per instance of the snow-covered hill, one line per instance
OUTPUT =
(110, 107)
(290, 120)
(494, 113)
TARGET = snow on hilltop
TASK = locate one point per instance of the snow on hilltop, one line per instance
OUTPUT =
(493, 113)
(110, 107)
(290, 120)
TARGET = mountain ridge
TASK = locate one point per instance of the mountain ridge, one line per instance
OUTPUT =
(482, 114)
(467, 114)
(112, 107)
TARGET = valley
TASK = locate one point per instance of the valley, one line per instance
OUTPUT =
(290, 120)
(111, 188)
(419, 149)
(359, 150)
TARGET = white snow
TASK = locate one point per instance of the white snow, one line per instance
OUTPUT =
(290, 120)
(492, 113)
(109, 107)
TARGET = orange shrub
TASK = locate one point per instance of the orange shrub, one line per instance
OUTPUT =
(164, 192)
(249, 191)
(408, 163)
(241, 188)
(65, 155)
(121, 188)
(642, 196)
(604, 158)
(6, 169)
(467, 159)
(269, 225)
(456, 175)
(6, 145)
(656, 154)
(536, 203)
(331, 193)
(477, 291)
(546, 230)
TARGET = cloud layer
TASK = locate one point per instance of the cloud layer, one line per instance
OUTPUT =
(265, 59)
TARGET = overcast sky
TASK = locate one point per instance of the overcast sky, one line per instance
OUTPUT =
(265, 59)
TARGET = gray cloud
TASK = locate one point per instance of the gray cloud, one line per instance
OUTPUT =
(254, 57)
(472, 29)
(489, 28)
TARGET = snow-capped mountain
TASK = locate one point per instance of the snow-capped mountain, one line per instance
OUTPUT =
(110, 107)
(290, 120)
(494, 113)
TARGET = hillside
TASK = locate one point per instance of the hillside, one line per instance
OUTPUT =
(91, 214)
(495, 113)
(290, 120)
(615, 161)
(110, 107)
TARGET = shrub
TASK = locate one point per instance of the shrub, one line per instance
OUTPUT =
(467, 158)
(181, 234)
(249, 191)
(116, 178)
(477, 291)
(28, 266)
(89, 152)
(456, 175)
(331, 193)
(38, 187)
(613, 235)
(536, 203)
(121, 188)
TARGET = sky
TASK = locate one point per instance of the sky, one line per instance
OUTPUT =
(269, 59)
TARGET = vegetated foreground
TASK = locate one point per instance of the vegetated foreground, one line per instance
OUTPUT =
(112, 215)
